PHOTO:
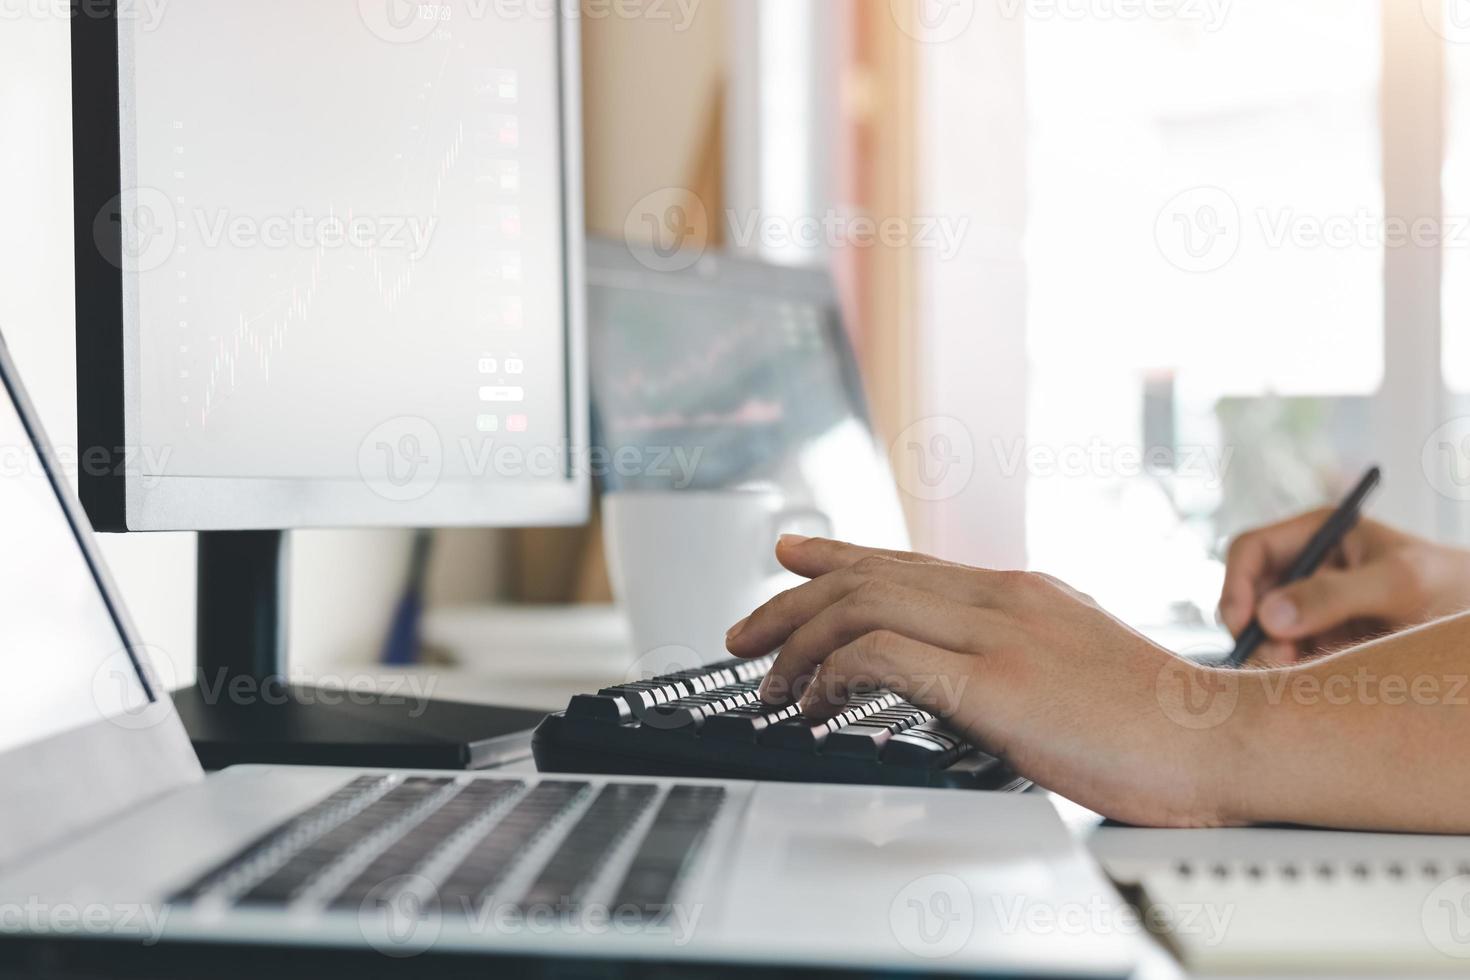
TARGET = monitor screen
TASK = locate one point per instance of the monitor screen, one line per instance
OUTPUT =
(66, 664)
(346, 263)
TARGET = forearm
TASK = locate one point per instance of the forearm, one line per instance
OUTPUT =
(1375, 737)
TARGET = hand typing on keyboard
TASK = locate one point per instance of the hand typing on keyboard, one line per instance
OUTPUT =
(1027, 668)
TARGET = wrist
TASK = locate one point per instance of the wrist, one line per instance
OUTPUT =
(1245, 751)
(1215, 742)
(1452, 587)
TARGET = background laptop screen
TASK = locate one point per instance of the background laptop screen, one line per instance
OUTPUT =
(65, 663)
(734, 374)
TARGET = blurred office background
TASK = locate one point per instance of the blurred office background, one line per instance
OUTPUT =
(1146, 273)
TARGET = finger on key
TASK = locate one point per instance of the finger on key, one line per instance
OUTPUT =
(772, 624)
(872, 607)
(926, 675)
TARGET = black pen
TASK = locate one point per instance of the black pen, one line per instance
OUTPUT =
(1329, 536)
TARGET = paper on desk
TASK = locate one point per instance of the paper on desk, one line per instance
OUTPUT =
(1129, 854)
(1290, 901)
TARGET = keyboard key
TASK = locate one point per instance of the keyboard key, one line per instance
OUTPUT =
(623, 703)
(926, 746)
(802, 734)
(689, 714)
(977, 767)
(609, 708)
(644, 695)
(722, 674)
(746, 724)
(866, 739)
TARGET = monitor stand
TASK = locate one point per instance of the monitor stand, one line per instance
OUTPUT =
(243, 709)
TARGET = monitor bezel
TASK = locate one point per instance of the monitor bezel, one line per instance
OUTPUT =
(107, 333)
(52, 787)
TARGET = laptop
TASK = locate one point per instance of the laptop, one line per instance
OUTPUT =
(757, 386)
(112, 831)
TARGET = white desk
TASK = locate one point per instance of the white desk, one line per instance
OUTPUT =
(527, 656)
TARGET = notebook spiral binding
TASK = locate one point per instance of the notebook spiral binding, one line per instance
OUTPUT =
(1345, 870)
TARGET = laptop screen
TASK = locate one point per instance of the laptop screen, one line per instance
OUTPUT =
(65, 662)
(733, 374)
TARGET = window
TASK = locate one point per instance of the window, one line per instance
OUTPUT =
(1204, 250)
(1456, 250)
(1196, 290)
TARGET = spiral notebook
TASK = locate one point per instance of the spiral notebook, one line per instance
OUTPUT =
(1296, 901)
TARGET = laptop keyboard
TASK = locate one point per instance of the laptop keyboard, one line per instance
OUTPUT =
(469, 843)
(708, 722)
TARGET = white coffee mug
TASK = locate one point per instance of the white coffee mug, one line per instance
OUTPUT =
(686, 566)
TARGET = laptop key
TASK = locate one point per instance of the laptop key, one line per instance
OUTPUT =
(315, 820)
(667, 849)
(414, 848)
(579, 857)
(289, 880)
(491, 859)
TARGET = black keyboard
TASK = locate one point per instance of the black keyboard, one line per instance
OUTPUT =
(460, 845)
(709, 723)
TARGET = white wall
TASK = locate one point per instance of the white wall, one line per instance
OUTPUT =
(344, 583)
(650, 84)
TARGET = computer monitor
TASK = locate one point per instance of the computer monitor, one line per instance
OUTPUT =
(732, 373)
(328, 274)
(329, 265)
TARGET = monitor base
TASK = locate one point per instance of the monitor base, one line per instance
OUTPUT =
(309, 726)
